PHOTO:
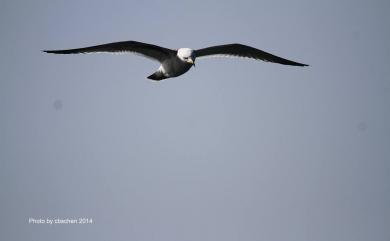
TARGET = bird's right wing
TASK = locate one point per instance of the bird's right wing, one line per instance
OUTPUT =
(240, 50)
(153, 52)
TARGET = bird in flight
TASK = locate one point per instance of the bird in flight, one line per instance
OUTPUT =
(174, 63)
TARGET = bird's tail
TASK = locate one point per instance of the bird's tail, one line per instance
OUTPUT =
(157, 76)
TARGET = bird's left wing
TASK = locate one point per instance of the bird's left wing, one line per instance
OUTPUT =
(147, 50)
(240, 50)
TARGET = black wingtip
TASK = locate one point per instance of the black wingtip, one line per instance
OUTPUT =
(296, 64)
(51, 51)
(67, 51)
(48, 51)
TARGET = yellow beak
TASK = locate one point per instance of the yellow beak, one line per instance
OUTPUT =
(191, 61)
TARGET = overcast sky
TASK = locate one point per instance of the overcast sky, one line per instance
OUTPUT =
(234, 150)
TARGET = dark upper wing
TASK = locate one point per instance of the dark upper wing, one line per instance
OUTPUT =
(148, 50)
(240, 50)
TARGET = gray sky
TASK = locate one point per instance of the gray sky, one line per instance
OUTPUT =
(234, 150)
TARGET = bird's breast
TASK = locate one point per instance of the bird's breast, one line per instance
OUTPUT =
(175, 67)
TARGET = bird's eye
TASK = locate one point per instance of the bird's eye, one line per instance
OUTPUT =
(185, 58)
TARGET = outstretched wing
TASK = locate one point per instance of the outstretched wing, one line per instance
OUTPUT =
(148, 50)
(240, 50)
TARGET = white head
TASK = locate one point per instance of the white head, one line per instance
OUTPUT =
(186, 55)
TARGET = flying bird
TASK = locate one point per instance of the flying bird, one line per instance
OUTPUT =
(174, 63)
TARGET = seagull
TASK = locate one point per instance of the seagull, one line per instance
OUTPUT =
(174, 63)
